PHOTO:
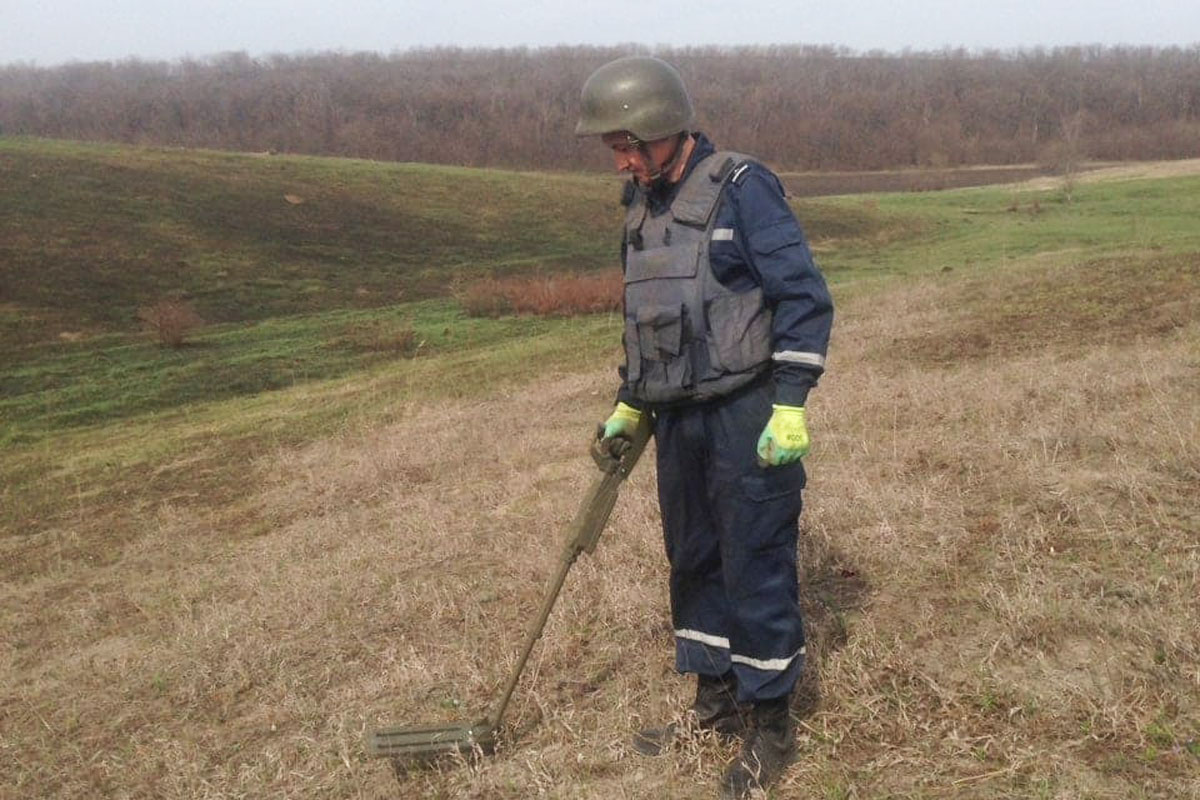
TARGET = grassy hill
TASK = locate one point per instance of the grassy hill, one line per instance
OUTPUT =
(310, 268)
(90, 232)
(221, 563)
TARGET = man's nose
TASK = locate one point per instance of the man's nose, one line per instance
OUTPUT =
(625, 161)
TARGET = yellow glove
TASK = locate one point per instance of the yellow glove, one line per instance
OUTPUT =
(622, 422)
(785, 439)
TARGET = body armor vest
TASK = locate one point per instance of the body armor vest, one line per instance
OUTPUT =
(687, 337)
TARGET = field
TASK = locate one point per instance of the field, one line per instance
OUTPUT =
(334, 508)
(816, 184)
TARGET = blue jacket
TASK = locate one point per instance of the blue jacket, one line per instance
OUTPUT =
(768, 249)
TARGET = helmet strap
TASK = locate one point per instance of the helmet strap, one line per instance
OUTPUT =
(657, 173)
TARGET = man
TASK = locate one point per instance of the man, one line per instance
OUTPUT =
(726, 325)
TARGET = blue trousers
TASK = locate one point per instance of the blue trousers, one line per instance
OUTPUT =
(730, 528)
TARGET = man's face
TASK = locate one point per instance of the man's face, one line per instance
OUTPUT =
(629, 158)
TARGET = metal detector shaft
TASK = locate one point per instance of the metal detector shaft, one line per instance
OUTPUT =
(616, 459)
(583, 535)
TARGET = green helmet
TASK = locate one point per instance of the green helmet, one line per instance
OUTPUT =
(639, 94)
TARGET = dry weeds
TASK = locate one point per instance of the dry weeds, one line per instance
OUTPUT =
(1000, 558)
(557, 295)
(171, 320)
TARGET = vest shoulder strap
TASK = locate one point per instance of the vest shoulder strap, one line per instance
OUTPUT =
(700, 193)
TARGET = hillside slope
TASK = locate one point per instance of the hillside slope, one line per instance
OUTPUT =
(214, 596)
(999, 560)
(88, 233)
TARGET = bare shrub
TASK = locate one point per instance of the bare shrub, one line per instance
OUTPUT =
(380, 336)
(171, 320)
(484, 298)
(553, 296)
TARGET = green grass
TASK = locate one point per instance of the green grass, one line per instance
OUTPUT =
(136, 448)
(352, 287)
(91, 232)
(296, 292)
(988, 227)
(88, 233)
(59, 386)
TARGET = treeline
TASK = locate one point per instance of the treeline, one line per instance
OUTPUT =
(797, 107)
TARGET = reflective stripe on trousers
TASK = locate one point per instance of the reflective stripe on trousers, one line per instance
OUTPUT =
(730, 529)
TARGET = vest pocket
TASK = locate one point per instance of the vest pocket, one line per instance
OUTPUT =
(660, 332)
(739, 331)
(664, 366)
(661, 262)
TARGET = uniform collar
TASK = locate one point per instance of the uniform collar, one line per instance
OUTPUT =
(659, 198)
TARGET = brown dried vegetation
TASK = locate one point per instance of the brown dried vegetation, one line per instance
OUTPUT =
(798, 107)
(171, 320)
(378, 336)
(557, 295)
(1107, 301)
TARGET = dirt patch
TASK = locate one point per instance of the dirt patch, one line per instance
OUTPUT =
(1122, 172)
(816, 184)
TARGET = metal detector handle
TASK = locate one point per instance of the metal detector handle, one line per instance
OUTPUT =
(623, 454)
(584, 533)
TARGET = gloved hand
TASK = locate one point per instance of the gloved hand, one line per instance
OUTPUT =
(785, 439)
(622, 422)
(613, 436)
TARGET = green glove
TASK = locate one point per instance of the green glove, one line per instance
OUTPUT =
(622, 422)
(785, 439)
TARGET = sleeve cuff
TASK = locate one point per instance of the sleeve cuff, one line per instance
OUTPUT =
(624, 396)
(792, 385)
(787, 394)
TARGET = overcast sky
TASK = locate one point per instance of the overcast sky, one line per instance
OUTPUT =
(57, 31)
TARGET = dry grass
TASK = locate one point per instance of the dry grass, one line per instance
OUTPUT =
(1123, 172)
(1028, 524)
(380, 336)
(1082, 305)
(1000, 559)
(557, 295)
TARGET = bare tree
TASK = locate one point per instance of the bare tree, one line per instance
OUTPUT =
(798, 107)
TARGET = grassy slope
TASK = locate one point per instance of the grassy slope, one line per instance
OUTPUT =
(213, 598)
(309, 292)
(88, 233)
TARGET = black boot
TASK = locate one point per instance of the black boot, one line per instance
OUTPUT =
(767, 751)
(715, 709)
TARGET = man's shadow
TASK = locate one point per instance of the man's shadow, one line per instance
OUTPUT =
(831, 588)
